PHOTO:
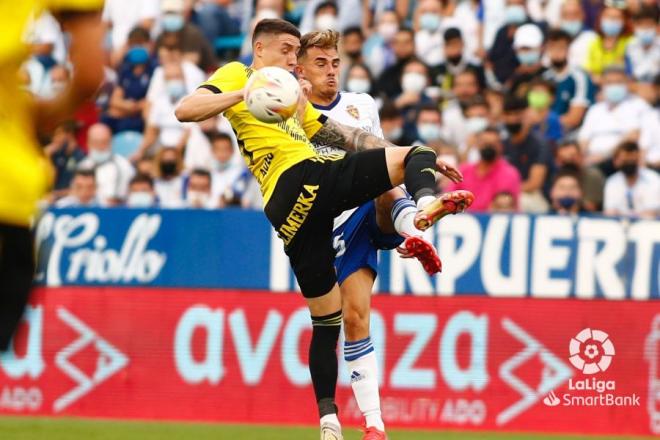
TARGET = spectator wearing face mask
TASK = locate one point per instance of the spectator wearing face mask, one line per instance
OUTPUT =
(429, 124)
(389, 82)
(198, 190)
(465, 88)
(325, 16)
(572, 21)
(413, 85)
(527, 152)
(123, 15)
(566, 193)
(169, 182)
(388, 46)
(195, 47)
(633, 190)
(226, 165)
(569, 156)
(456, 62)
(141, 193)
(528, 44)
(391, 121)
(113, 172)
(128, 99)
(617, 117)
(477, 118)
(359, 80)
(643, 52)
(574, 89)
(430, 26)
(352, 40)
(82, 192)
(347, 14)
(491, 174)
(46, 41)
(65, 154)
(545, 121)
(502, 56)
(609, 47)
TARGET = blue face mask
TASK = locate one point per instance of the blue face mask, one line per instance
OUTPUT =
(529, 58)
(173, 22)
(137, 55)
(615, 93)
(645, 36)
(176, 89)
(429, 132)
(515, 14)
(611, 28)
(430, 22)
(567, 202)
(571, 27)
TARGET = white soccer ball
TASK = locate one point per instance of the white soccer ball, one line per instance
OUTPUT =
(271, 94)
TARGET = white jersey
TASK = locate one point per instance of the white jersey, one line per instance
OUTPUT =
(355, 110)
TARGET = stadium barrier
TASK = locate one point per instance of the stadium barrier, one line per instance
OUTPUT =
(240, 356)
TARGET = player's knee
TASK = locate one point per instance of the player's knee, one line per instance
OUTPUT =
(356, 324)
(420, 151)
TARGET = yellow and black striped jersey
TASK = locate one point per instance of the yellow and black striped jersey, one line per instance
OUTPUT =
(268, 149)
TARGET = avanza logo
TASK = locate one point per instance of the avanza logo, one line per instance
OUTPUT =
(591, 351)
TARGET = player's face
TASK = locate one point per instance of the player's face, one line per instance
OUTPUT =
(278, 50)
(321, 68)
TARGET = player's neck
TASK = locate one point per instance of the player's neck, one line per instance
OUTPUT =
(324, 100)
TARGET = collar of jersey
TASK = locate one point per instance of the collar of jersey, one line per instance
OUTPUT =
(329, 106)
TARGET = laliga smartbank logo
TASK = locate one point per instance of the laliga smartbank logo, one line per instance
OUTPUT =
(591, 352)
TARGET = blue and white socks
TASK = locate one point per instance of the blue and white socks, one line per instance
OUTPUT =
(403, 217)
(363, 368)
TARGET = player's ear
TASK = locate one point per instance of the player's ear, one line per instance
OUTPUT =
(298, 70)
(258, 48)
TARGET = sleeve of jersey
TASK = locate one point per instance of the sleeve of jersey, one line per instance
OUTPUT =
(228, 78)
(313, 120)
(75, 5)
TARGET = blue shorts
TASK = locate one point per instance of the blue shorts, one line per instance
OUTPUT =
(357, 241)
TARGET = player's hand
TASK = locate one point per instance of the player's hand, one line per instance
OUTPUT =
(448, 171)
(306, 89)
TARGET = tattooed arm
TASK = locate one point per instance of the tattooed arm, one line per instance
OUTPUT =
(334, 134)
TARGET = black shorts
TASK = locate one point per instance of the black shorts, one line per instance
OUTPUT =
(16, 273)
(308, 197)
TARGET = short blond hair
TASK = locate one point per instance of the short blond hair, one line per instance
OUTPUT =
(327, 39)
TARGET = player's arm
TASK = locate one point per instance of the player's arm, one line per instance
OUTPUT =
(334, 134)
(204, 104)
(86, 56)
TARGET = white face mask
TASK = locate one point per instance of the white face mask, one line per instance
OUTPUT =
(326, 21)
(394, 134)
(388, 30)
(140, 199)
(99, 156)
(429, 131)
(476, 124)
(413, 82)
(198, 198)
(358, 85)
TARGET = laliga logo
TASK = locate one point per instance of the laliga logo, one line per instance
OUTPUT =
(591, 351)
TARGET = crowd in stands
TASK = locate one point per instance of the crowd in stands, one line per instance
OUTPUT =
(544, 105)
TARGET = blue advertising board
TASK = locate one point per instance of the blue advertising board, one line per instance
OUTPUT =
(496, 255)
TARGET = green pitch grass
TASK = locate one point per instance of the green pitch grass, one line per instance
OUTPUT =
(73, 429)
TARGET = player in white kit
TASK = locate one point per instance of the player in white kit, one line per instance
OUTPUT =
(386, 223)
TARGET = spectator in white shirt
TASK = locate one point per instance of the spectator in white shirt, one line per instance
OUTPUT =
(616, 118)
(141, 193)
(430, 27)
(123, 15)
(113, 172)
(572, 22)
(649, 139)
(643, 52)
(634, 190)
(227, 164)
(169, 183)
(82, 192)
(198, 192)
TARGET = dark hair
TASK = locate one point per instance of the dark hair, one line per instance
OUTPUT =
(647, 13)
(324, 5)
(568, 171)
(216, 135)
(138, 34)
(389, 111)
(274, 26)
(545, 83)
(407, 30)
(476, 101)
(513, 103)
(68, 126)
(353, 30)
(201, 172)
(452, 34)
(142, 178)
(428, 106)
(492, 129)
(626, 147)
(85, 172)
(558, 35)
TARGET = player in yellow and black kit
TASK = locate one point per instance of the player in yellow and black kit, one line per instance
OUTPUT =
(303, 192)
(25, 173)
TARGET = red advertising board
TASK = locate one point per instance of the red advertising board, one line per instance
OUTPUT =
(446, 363)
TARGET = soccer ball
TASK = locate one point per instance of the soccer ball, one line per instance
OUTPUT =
(271, 94)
